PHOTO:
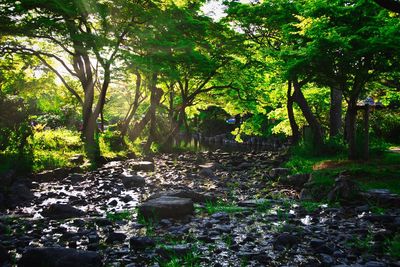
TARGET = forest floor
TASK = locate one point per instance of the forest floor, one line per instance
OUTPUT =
(252, 220)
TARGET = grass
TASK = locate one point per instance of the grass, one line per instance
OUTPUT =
(190, 259)
(119, 216)
(220, 206)
(393, 247)
(382, 171)
(310, 206)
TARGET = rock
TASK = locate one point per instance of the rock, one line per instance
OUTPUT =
(382, 197)
(326, 260)
(286, 240)
(296, 180)
(21, 191)
(140, 243)
(210, 165)
(277, 172)
(193, 195)
(4, 256)
(167, 207)
(146, 166)
(59, 257)
(306, 194)
(382, 219)
(115, 237)
(75, 178)
(131, 181)
(51, 175)
(62, 211)
(207, 173)
(344, 189)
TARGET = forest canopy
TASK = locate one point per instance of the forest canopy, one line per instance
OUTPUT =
(115, 74)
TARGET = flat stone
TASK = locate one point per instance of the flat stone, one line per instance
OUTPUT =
(59, 257)
(62, 211)
(140, 243)
(115, 237)
(167, 207)
(132, 181)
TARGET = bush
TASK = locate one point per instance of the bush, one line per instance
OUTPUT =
(53, 148)
(386, 125)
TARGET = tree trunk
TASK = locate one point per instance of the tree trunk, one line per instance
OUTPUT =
(133, 108)
(152, 110)
(351, 128)
(335, 112)
(293, 124)
(316, 128)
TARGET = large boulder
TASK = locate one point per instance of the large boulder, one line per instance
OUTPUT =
(183, 193)
(131, 181)
(383, 197)
(59, 257)
(62, 211)
(166, 207)
(344, 189)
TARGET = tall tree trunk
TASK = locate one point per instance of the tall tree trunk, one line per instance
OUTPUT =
(335, 112)
(351, 128)
(351, 117)
(152, 110)
(316, 128)
(133, 108)
(293, 124)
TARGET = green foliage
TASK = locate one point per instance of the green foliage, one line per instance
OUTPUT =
(53, 148)
(393, 246)
(220, 206)
(310, 206)
(364, 244)
(386, 124)
(190, 259)
(119, 216)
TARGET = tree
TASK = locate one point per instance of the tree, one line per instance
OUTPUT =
(78, 39)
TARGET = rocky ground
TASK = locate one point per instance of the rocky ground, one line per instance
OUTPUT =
(241, 217)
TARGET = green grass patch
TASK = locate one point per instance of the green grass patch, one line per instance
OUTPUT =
(393, 246)
(310, 206)
(220, 206)
(119, 216)
(53, 148)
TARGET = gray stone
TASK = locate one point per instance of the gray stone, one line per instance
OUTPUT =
(131, 181)
(62, 211)
(140, 243)
(207, 173)
(115, 237)
(286, 240)
(167, 207)
(59, 257)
